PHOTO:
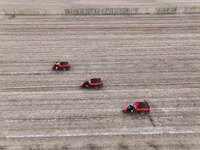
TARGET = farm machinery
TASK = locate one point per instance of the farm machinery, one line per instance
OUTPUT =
(92, 83)
(137, 107)
(61, 66)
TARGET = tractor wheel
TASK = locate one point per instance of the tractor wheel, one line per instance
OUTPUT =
(64, 69)
(128, 110)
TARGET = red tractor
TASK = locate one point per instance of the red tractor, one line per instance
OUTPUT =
(92, 83)
(137, 107)
(61, 66)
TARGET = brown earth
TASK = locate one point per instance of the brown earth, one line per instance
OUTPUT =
(151, 57)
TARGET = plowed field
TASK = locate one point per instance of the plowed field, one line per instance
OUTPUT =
(143, 57)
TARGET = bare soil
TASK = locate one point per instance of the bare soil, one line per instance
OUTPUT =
(146, 57)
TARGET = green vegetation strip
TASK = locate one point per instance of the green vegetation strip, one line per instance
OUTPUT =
(101, 11)
(193, 9)
(166, 10)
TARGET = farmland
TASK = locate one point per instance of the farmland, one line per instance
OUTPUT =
(139, 57)
(59, 7)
